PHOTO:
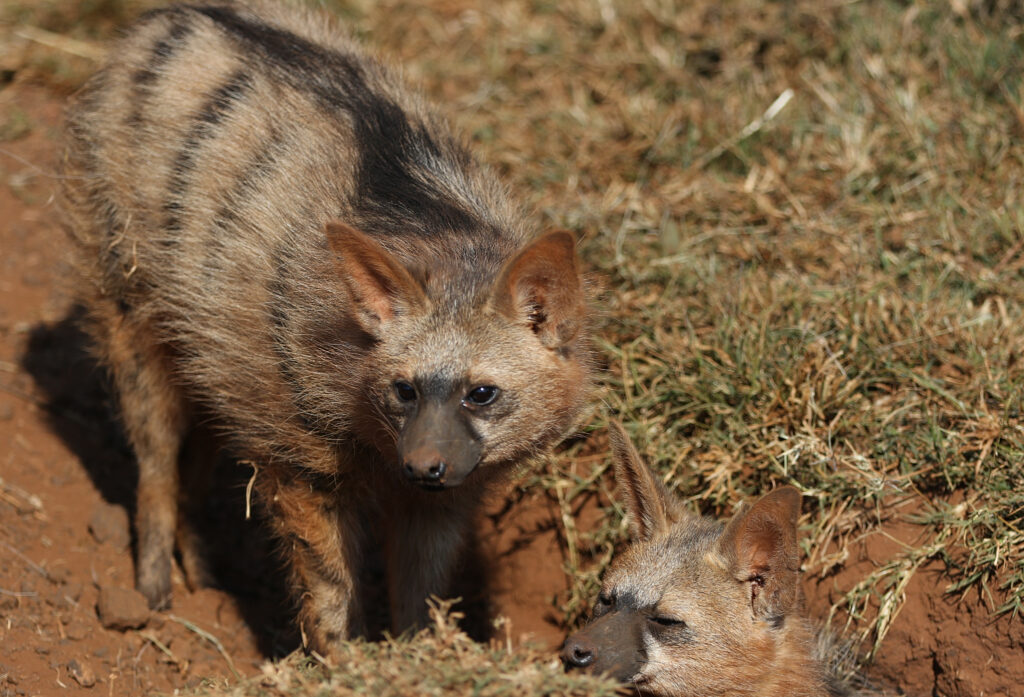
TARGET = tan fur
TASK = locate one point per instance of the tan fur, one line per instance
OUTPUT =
(275, 236)
(692, 609)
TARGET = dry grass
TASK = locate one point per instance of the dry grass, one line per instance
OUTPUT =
(806, 221)
(438, 661)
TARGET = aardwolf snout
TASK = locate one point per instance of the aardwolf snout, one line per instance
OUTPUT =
(607, 645)
(426, 467)
(576, 654)
(436, 449)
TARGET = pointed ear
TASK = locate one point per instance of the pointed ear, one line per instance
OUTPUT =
(760, 546)
(648, 504)
(542, 288)
(381, 288)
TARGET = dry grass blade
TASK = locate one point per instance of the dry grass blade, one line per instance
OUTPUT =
(750, 129)
(28, 562)
(164, 649)
(192, 627)
(83, 49)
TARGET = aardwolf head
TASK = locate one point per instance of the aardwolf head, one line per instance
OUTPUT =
(692, 607)
(474, 361)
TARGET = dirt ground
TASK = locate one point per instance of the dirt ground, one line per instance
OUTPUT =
(63, 464)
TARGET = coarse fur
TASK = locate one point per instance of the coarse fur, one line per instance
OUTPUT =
(694, 608)
(275, 236)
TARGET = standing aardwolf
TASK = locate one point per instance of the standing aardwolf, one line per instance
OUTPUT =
(695, 609)
(277, 238)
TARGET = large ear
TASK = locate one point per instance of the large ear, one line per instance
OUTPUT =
(648, 504)
(542, 288)
(760, 546)
(381, 288)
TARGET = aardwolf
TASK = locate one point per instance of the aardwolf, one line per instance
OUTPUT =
(697, 609)
(278, 238)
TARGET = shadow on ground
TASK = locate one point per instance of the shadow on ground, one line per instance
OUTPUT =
(81, 410)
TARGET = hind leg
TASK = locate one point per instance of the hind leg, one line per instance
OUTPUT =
(154, 415)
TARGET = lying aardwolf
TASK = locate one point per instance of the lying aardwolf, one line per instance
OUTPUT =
(697, 609)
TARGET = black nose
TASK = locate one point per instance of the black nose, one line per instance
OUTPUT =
(432, 473)
(576, 655)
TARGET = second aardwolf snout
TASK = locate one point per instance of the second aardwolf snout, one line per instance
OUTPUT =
(696, 609)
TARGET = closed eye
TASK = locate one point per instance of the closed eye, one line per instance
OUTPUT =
(668, 621)
(604, 603)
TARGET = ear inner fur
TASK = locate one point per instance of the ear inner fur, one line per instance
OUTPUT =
(645, 498)
(380, 285)
(543, 287)
(760, 543)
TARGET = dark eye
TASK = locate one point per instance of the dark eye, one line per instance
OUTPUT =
(668, 621)
(481, 396)
(604, 603)
(405, 391)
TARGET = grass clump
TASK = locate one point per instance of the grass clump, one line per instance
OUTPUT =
(440, 660)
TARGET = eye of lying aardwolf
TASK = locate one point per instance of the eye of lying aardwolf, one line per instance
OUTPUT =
(665, 621)
(607, 600)
(604, 603)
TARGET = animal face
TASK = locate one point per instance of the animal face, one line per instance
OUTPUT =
(476, 391)
(672, 619)
(693, 607)
(462, 384)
